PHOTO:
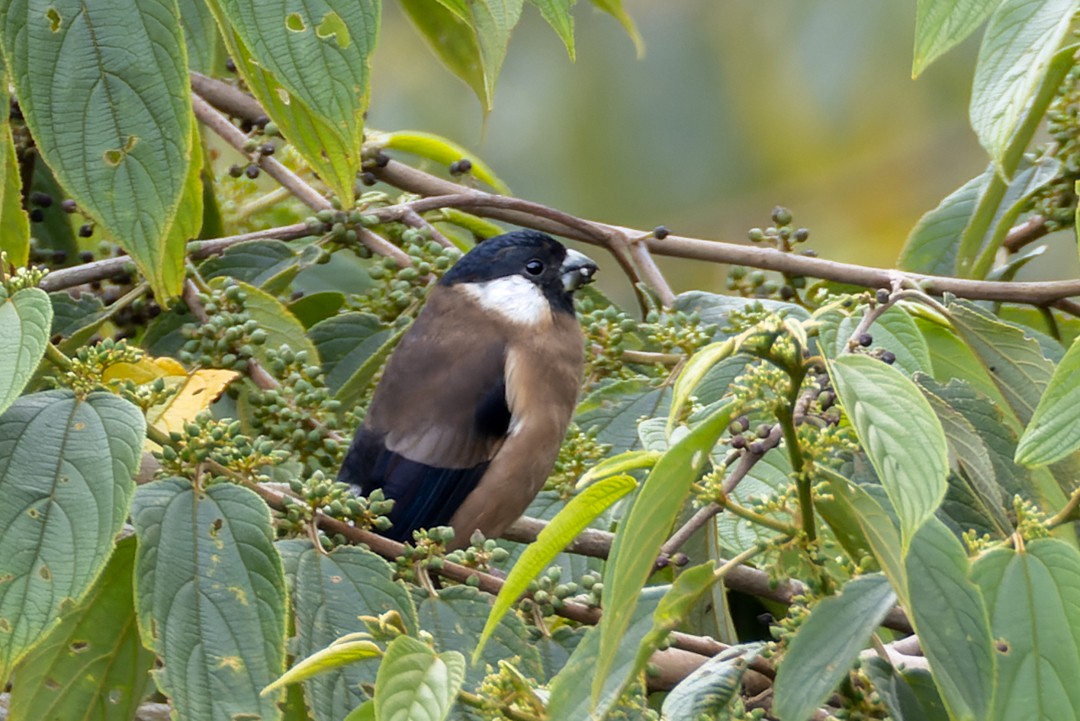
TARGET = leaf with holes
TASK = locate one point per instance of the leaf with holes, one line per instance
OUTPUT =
(116, 133)
(93, 666)
(899, 432)
(210, 594)
(66, 470)
(25, 320)
(1033, 598)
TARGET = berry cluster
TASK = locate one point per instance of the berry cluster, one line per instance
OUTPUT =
(580, 451)
(481, 553)
(398, 291)
(1056, 201)
(219, 440)
(783, 236)
(301, 413)
(230, 335)
(319, 493)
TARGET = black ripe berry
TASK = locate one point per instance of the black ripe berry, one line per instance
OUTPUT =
(68, 205)
(865, 340)
(43, 200)
(236, 171)
(888, 357)
(252, 171)
(660, 232)
(881, 296)
(86, 230)
(37, 215)
(86, 256)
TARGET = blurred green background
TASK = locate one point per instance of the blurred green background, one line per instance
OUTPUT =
(735, 107)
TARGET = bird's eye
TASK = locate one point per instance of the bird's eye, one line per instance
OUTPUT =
(534, 267)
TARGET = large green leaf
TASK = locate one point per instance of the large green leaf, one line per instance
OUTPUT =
(827, 644)
(25, 323)
(644, 529)
(104, 88)
(93, 666)
(950, 617)
(1016, 51)
(900, 434)
(942, 24)
(415, 683)
(210, 594)
(330, 591)
(330, 154)
(1033, 598)
(1054, 429)
(66, 470)
(614, 411)
(894, 330)
(582, 510)
(200, 35)
(346, 342)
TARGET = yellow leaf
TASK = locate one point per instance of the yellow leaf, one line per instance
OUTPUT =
(195, 394)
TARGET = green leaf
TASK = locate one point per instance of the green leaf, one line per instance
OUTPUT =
(316, 307)
(471, 42)
(894, 330)
(1033, 599)
(619, 464)
(616, 10)
(934, 242)
(253, 262)
(117, 133)
(363, 712)
(899, 694)
(710, 688)
(940, 25)
(456, 617)
(557, 14)
(338, 654)
(1017, 48)
(900, 433)
(346, 342)
(442, 151)
(200, 35)
(827, 644)
(877, 527)
(415, 683)
(695, 369)
(210, 593)
(71, 314)
(672, 610)
(1011, 358)
(330, 591)
(571, 689)
(950, 617)
(575, 517)
(66, 470)
(644, 529)
(318, 53)
(92, 667)
(14, 223)
(281, 327)
(951, 358)
(25, 322)
(1054, 429)
(768, 477)
(333, 156)
(613, 412)
(973, 463)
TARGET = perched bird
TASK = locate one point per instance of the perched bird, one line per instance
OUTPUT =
(467, 420)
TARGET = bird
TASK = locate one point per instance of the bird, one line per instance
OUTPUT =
(467, 420)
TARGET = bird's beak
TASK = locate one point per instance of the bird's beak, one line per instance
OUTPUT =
(577, 270)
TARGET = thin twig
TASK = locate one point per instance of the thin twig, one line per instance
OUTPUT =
(221, 125)
(1025, 233)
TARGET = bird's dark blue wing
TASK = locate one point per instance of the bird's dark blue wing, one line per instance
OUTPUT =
(424, 496)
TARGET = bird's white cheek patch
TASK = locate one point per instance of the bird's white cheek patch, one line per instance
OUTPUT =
(514, 298)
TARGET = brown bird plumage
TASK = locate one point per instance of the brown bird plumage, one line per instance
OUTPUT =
(467, 422)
